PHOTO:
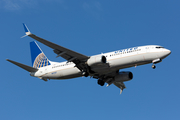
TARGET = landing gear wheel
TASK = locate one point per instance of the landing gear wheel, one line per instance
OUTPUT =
(153, 66)
(86, 74)
(101, 82)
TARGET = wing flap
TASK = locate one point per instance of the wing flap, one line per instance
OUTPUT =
(120, 85)
(25, 67)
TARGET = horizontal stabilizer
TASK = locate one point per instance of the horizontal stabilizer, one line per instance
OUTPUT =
(25, 67)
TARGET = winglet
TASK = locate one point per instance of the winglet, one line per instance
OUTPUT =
(26, 28)
(27, 31)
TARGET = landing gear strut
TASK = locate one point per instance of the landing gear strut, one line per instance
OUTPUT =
(84, 73)
(101, 82)
(156, 61)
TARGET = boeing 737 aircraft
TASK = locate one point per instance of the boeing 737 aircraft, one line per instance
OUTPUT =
(104, 67)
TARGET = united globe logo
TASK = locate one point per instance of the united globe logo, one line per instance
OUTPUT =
(41, 61)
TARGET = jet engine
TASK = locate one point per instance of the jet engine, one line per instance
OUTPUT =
(123, 76)
(96, 60)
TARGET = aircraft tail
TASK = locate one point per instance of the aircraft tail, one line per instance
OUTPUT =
(38, 58)
(25, 67)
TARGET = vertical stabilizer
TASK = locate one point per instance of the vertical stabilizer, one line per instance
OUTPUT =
(38, 58)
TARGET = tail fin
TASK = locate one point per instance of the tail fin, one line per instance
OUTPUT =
(38, 58)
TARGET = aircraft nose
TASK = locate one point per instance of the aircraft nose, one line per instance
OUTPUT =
(168, 52)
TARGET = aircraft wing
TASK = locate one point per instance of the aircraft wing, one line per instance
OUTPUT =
(69, 55)
(59, 50)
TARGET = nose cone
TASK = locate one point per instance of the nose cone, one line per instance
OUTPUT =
(166, 52)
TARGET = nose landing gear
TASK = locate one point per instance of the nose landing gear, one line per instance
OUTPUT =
(155, 61)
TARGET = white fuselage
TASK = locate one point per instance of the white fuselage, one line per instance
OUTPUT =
(115, 60)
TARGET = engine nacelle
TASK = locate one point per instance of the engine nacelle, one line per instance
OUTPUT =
(123, 76)
(95, 60)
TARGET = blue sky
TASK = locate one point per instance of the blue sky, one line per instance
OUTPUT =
(90, 27)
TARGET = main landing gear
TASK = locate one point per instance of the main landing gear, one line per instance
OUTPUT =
(101, 82)
(84, 73)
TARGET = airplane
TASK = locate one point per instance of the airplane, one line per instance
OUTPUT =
(104, 67)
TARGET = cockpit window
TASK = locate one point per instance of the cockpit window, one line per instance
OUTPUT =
(159, 47)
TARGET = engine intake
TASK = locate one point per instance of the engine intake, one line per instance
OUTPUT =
(95, 60)
(123, 76)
